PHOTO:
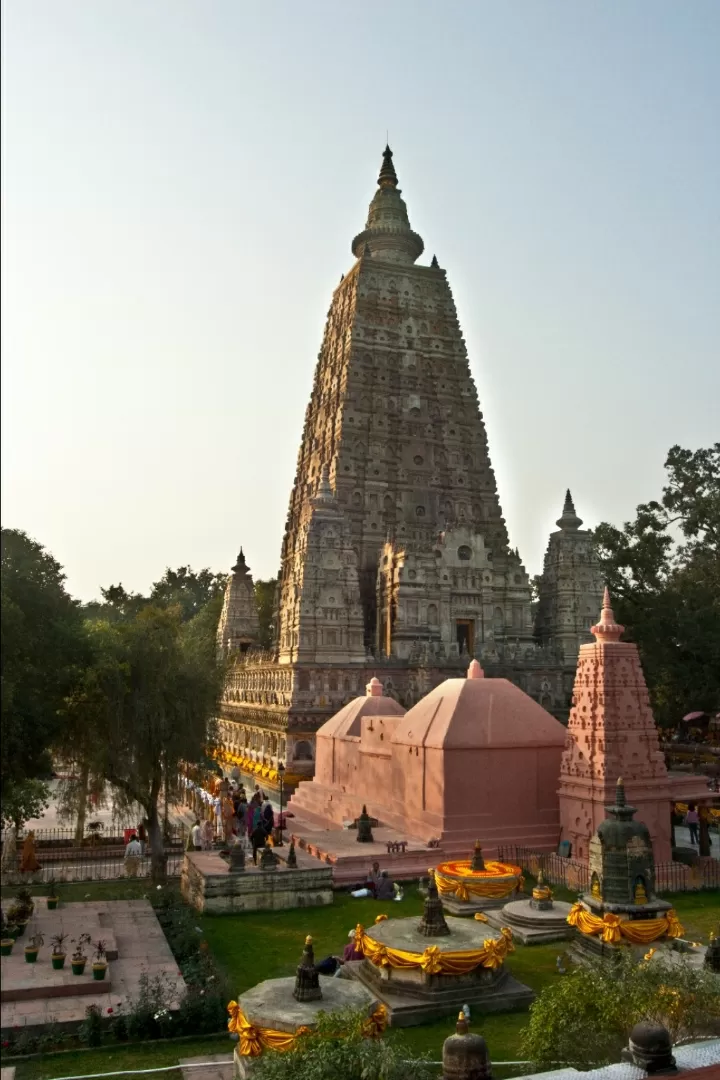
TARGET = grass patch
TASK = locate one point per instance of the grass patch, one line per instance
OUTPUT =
(77, 891)
(698, 912)
(114, 1058)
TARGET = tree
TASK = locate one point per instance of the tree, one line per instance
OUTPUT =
(23, 802)
(44, 648)
(585, 1018)
(189, 589)
(146, 703)
(663, 571)
(265, 599)
(337, 1048)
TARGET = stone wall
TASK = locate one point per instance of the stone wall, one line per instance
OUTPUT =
(208, 886)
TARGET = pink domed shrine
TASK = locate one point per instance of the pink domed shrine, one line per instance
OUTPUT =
(474, 758)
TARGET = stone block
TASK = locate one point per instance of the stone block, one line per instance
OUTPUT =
(207, 885)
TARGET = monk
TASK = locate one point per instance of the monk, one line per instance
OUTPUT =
(28, 862)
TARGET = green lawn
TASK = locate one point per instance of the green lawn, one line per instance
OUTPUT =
(120, 889)
(264, 945)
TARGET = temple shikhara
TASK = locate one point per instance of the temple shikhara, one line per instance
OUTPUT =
(396, 561)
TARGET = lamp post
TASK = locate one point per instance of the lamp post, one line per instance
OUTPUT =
(281, 775)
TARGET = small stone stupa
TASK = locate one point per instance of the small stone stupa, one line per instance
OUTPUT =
(465, 1055)
(307, 980)
(536, 921)
(622, 885)
(433, 922)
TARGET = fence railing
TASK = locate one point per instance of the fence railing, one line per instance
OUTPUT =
(574, 874)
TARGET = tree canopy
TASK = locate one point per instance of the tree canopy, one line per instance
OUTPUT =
(663, 571)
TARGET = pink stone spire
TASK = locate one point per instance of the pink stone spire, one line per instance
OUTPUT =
(607, 629)
(374, 688)
(475, 671)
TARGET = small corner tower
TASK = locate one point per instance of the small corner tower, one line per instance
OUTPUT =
(239, 626)
(570, 587)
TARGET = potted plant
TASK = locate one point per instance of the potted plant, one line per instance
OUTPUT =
(7, 940)
(99, 960)
(53, 895)
(58, 950)
(78, 960)
(33, 948)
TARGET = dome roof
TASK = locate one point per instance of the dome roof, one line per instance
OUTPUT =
(348, 720)
(478, 713)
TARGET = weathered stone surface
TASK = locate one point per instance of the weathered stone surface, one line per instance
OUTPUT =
(208, 885)
(532, 925)
(239, 626)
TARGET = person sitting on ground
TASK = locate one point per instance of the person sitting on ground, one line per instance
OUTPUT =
(351, 951)
(368, 887)
(196, 835)
(385, 889)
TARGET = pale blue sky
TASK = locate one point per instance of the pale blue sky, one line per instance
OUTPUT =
(181, 183)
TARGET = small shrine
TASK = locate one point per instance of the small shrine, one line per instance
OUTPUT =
(621, 907)
(421, 971)
(472, 885)
(535, 921)
(277, 1012)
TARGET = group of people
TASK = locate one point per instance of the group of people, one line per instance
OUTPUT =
(378, 885)
(236, 818)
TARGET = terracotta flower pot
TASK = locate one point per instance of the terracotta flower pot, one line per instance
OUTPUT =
(52, 902)
(31, 954)
(58, 961)
(99, 971)
(6, 946)
(78, 966)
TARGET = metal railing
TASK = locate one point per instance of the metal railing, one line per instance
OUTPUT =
(574, 874)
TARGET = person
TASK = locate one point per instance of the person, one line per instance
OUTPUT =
(268, 816)
(257, 838)
(28, 862)
(196, 835)
(692, 820)
(242, 816)
(133, 851)
(385, 889)
(142, 837)
(351, 951)
(208, 835)
(331, 965)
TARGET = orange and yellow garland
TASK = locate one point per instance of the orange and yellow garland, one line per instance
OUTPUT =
(253, 1040)
(613, 929)
(478, 883)
(432, 960)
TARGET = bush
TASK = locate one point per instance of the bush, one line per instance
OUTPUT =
(90, 1032)
(584, 1019)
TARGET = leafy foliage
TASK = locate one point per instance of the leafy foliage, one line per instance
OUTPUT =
(584, 1019)
(24, 801)
(663, 570)
(337, 1048)
(265, 599)
(43, 649)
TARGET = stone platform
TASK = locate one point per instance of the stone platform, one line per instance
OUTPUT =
(208, 885)
(533, 926)
(413, 996)
(36, 994)
(271, 1004)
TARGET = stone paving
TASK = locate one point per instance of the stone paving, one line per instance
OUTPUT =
(36, 994)
(207, 1067)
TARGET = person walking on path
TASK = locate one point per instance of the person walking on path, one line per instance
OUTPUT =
(133, 851)
(196, 836)
(692, 820)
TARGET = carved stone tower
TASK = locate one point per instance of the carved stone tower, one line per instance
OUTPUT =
(239, 627)
(571, 587)
(394, 417)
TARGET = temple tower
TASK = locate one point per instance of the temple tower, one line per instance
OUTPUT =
(394, 417)
(611, 733)
(571, 587)
(239, 626)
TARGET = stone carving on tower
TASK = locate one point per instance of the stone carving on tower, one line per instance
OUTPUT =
(571, 587)
(239, 627)
(320, 612)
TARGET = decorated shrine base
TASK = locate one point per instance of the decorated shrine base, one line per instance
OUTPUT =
(533, 926)
(413, 996)
(208, 884)
(468, 908)
(271, 1005)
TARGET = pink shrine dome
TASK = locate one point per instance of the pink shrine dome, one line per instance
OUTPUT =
(349, 720)
(478, 713)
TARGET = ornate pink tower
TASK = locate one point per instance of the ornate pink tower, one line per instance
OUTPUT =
(612, 733)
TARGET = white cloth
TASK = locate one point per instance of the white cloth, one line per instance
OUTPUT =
(196, 835)
(133, 847)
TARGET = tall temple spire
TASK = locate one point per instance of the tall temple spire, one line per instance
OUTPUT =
(569, 520)
(239, 625)
(607, 629)
(387, 225)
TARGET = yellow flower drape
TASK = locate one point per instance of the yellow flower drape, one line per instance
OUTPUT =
(253, 1040)
(464, 890)
(432, 960)
(613, 929)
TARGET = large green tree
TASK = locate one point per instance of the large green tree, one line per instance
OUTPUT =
(44, 648)
(663, 570)
(145, 704)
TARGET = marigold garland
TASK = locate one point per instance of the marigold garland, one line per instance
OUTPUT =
(253, 1040)
(432, 960)
(613, 929)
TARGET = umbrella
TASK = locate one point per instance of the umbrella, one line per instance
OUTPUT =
(693, 716)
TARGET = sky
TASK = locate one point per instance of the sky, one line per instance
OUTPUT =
(181, 184)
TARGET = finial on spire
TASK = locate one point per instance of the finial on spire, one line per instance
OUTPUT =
(435, 264)
(607, 629)
(388, 176)
(568, 520)
(240, 567)
(374, 688)
(475, 671)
